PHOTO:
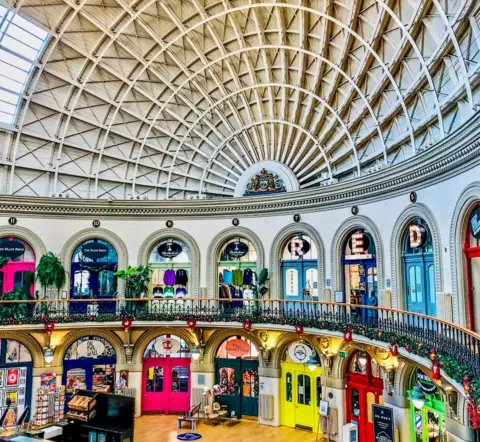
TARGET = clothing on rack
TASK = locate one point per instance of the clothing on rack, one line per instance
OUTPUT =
(158, 292)
(169, 291)
(180, 292)
(220, 277)
(237, 278)
(227, 277)
(169, 277)
(224, 292)
(181, 277)
(247, 277)
(157, 277)
(235, 294)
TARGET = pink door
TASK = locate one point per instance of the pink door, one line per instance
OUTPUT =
(166, 385)
(13, 274)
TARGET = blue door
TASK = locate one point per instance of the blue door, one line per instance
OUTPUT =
(298, 275)
(420, 283)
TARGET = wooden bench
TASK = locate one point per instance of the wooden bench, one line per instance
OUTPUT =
(189, 416)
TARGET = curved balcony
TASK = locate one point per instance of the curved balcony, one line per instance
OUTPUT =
(455, 351)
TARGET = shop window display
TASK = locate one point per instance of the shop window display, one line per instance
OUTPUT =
(236, 374)
(237, 263)
(471, 250)
(17, 272)
(89, 363)
(94, 263)
(170, 262)
(360, 272)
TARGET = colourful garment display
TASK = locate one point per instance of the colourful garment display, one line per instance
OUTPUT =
(169, 292)
(227, 276)
(247, 277)
(158, 292)
(180, 292)
(169, 277)
(181, 277)
(237, 278)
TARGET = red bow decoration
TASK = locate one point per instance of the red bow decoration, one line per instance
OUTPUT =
(192, 323)
(247, 325)
(394, 350)
(348, 335)
(435, 371)
(127, 324)
(49, 327)
(298, 329)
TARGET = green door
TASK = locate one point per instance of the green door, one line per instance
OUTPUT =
(249, 387)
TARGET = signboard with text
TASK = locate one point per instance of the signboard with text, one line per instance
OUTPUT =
(382, 423)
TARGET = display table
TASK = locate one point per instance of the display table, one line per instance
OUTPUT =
(113, 420)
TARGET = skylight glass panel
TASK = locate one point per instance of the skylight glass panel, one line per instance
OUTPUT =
(21, 43)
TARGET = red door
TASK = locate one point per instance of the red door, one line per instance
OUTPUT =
(166, 385)
(363, 390)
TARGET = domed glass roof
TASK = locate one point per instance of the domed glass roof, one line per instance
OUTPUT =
(178, 99)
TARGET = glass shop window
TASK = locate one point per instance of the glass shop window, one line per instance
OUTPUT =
(228, 384)
(355, 402)
(289, 388)
(179, 379)
(304, 390)
(154, 377)
(319, 390)
(250, 383)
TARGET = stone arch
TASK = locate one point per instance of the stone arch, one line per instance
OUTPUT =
(411, 212)
(276, 250)
(218, 241)
(355, 222)
(214, 342)
(285, 339)
(93, 233)
(31, 238)
(152, 240)
(149, 335)
(458, 228)
(28, 341)
(340, 365)
(70, 338)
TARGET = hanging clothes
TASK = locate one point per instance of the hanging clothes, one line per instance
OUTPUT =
(247, 277)
(236, 293)
(227, 277)
(169, 277)
(181, 277)
(169, 292)
(237, 278)
(158, 292)
(180, 292)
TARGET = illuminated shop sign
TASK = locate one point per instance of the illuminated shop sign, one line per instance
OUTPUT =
(298, 247)
(237, 249)
(359, 244)
(299, 352)
(169, 249)
(417, 236)
(95, 250)
(475, 223)
(11, 249)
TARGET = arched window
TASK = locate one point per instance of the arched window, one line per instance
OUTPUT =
(90, 363)
(362, 363)
(18, 269)
(360, 271)
(237, 347)
(171, 264)
(418, 268)
(299, 268)
(236, 265)
(167, 345)
(94, 263)
(471, 249)
(16, 375)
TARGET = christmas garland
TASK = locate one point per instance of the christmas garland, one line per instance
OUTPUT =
(452, 368)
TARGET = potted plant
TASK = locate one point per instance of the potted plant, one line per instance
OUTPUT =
(50, 273)
(136, 280)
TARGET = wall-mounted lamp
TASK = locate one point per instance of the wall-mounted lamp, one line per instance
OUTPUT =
(417, 397)
(195, 352)
(48, 355)
(311, 362)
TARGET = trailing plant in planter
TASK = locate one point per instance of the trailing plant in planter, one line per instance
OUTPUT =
(3, 261)
(50, 272)
(136, 280)
(16, 311)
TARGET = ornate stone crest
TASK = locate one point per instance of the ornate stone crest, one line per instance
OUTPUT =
(263, 183)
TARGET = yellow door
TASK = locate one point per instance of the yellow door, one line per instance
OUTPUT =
(287, 395)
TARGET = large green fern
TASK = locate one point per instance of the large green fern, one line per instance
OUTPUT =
(50, 271)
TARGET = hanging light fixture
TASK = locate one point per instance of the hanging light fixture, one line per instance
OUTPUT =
(195, 352)
(48, 355)
(417, 397)
(311, 362)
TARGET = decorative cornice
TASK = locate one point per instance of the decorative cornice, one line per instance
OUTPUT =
(450, 157)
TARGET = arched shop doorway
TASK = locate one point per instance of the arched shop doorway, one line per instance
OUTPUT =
(418, 268)
(364, 388)
(16, 375)
(236, 265)
(299, 269)
(171, 264)
(360, 269)
(18, 270)
(166, 375)
(301, 388)
(471, 251)
(236, 376)
(427, 415)
(94, 263)
(89, 363)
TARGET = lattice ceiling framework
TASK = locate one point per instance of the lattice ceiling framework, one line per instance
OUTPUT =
(168, 99)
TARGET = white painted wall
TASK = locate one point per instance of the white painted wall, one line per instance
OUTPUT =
(439, 198)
